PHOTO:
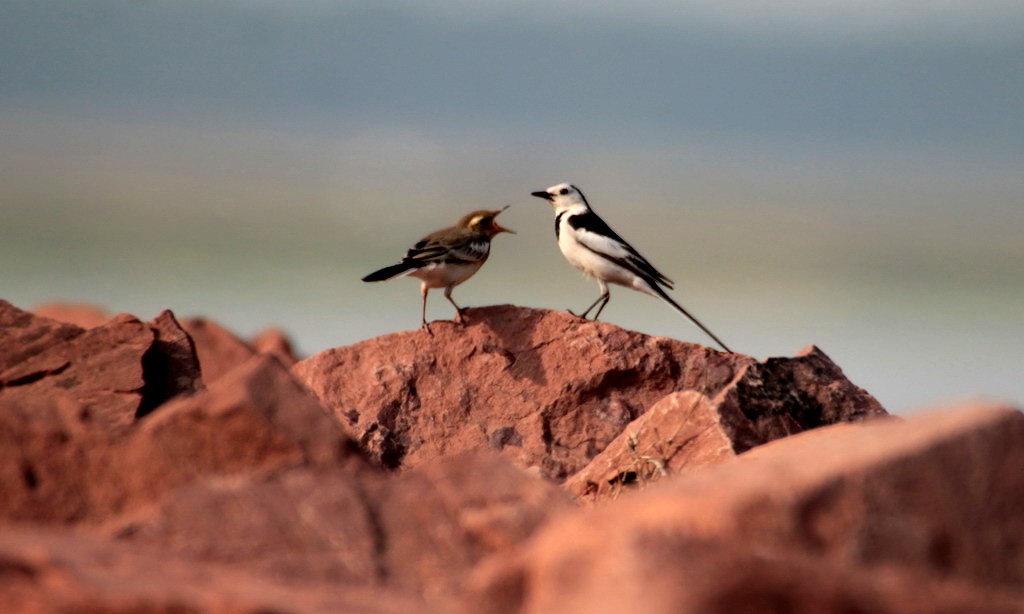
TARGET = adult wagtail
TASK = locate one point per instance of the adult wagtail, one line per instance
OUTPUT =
(447, 257)
(590, 245)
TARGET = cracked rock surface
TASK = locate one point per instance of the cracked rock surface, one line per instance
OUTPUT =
(550, 391)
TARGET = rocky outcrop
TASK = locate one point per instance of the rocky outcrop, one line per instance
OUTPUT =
(419, 532)
(115, 372)
(551, 391)
(687, 430)
(683, 431)
(275, 341)
(219, 349)
(914, 516)
(444, 473)
(63, 467)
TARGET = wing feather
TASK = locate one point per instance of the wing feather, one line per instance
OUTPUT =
(594, 234)
(451, 250)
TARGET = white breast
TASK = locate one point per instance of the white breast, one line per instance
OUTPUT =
(439, 275)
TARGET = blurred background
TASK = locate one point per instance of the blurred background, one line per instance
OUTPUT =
(844, 174)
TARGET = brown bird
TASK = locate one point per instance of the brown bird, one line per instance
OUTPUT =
(447, 257)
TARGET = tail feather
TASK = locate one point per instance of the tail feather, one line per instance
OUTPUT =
(391, 272)
(668, 299)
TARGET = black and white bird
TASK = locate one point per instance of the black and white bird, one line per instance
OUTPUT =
(590, 245)
(447, 257)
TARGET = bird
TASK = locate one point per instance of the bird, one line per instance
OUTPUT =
(447, 257)
(590, 245)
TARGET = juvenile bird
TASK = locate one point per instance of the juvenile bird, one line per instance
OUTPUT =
(447, 257)
(590, 245)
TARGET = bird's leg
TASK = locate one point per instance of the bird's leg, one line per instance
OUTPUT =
(607, 297)
(423, 292)
(585, 313)
(458, 310)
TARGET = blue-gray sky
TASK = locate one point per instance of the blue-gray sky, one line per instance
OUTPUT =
(847, 174)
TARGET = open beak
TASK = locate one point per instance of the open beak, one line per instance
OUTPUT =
(543, 195)
(498, 227)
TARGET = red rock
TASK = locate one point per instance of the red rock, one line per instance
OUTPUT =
(48, 457)
(116, 371)
(444, 516)
(219, 349)
(47, 571)
(275, 341)
(664, 573)
(418, 532)
(171, 366)
(100, 368)
(57, 467)
(683, 431)
(26, 339)
(935, 498)
(79, 314)
(783, 396)
(686, 431)
(550, 390)
(257, 418)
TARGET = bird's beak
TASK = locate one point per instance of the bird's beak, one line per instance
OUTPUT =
(498, 227)
(543, 195)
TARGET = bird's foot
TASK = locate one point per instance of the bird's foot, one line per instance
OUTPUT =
(459, 319)
(426, 328)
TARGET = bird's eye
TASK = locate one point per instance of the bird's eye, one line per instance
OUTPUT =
(563, 191)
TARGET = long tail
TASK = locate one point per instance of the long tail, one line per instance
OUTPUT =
(668, 299)
(391, 272)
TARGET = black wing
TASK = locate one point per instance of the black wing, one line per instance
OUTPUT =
(597, 236)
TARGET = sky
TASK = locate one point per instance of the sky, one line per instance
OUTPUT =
(843, 174)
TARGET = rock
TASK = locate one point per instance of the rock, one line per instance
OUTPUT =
(25, 340)
(117, 371)
(48, 571)
(683, 431)
(49, 455)
(219, 349)
(100, 368)
(418, 532)
(444, 516)
(257, 418)
(79, 314)
(665, 573)
(552, 391)
(275, 341)
(783, 396)
(823, 515)
(252, 495)
(57, 467)
(171, 366)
